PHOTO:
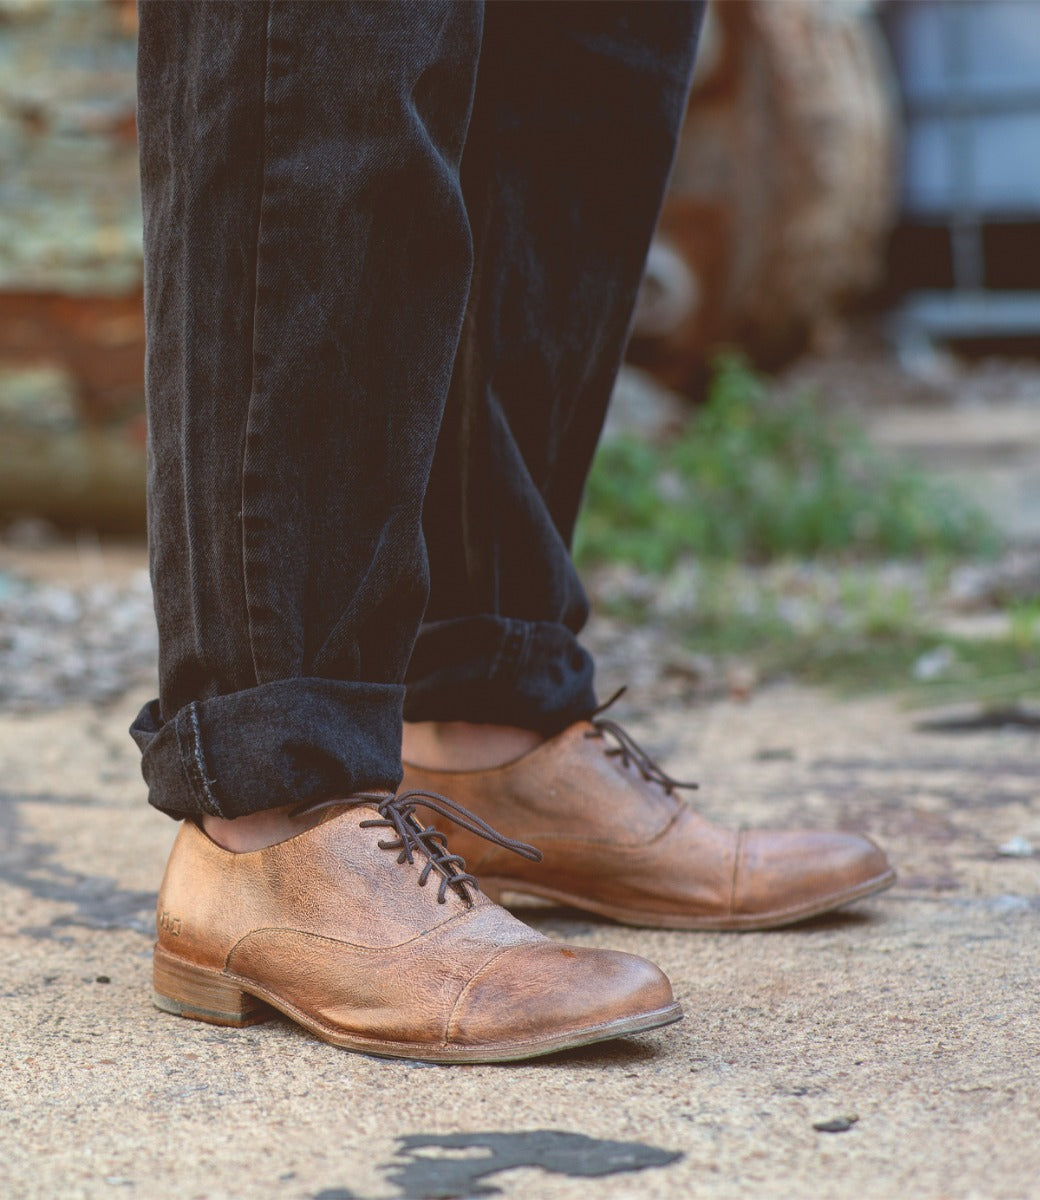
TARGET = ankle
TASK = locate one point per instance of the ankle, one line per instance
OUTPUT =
(465, 746)
(260, 829)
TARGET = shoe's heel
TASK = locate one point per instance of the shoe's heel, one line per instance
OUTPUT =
(187, 990)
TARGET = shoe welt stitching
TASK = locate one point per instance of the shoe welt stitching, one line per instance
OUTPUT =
(579, 842)
(433, 931)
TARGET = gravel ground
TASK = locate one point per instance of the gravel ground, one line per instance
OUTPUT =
(76, 620)
(65, 643)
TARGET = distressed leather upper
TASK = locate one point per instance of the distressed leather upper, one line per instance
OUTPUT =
(626, 845)
(335, 928)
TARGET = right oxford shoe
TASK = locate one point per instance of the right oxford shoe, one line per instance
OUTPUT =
(618, 841)
(338, 929)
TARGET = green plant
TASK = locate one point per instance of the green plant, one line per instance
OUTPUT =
(752, 479)
(1024, 619)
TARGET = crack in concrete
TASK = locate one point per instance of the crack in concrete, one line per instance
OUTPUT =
(98, 901)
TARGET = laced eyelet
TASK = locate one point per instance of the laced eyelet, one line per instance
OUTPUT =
(398, 813)
(631, 753)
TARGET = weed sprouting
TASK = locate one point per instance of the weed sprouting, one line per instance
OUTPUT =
(754, 480)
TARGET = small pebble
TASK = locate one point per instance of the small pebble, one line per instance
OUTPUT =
(836, 1124)
(102, 979)
(775, 754)
(1017, 847)
(63, 644)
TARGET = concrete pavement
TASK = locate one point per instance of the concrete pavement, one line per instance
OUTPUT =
(915, 1013)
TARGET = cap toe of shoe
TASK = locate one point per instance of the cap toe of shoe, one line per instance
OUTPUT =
(809, 871)
(548, 991)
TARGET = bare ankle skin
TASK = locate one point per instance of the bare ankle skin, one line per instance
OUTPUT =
(437, 745)
(257, 830)
(462, 746)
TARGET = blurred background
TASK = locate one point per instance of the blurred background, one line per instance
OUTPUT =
(822, 461)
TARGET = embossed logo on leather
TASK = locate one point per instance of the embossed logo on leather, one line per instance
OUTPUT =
(170, 923)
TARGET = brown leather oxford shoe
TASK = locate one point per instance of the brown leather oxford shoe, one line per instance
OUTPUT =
(616, 840)
(369, 933)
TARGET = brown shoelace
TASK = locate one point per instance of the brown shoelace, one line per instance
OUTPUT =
(398, 813)
(629, 750)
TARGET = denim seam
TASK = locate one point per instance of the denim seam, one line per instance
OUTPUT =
(256, 306)
(510, 651)
(183, 757)
(202, 784)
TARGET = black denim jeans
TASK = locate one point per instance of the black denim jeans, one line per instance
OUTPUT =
(391, 255)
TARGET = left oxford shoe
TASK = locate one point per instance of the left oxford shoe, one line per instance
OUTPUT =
(616, 840)
(369, 932)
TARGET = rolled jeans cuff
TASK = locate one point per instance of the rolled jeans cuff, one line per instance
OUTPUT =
(500, 671)
(288, 742)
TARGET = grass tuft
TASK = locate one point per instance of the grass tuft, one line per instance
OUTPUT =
(753, 480)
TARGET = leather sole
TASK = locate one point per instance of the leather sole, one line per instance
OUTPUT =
(495, 888)
(220, 998)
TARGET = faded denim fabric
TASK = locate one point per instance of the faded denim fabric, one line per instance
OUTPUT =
(391, 254)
